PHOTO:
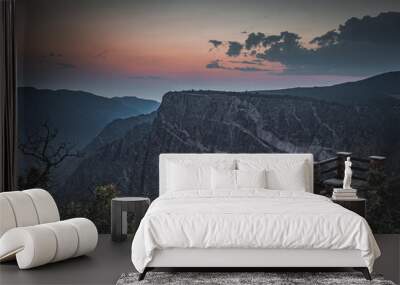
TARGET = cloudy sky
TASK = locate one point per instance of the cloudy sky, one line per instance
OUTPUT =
(146, 48)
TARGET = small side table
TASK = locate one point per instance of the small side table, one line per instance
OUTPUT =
(358, 205)
(119, 213)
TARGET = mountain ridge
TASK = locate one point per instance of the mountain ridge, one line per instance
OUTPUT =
(377, 89)
(82, 92)
(78, 115)
(218, 121)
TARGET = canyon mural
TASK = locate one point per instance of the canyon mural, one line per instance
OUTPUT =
(102, 96)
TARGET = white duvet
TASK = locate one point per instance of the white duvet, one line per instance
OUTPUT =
(250, 219)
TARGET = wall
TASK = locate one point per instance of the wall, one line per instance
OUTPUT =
(105, 87)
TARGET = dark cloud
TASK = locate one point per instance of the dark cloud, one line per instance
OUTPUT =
(215, 64)
(284, 48)
(234, 49)
(255, 61)
(271, 39)
(328, 39)
(66, 65)
(382, 29)
(215, 43)
(358, 47)
(285, 43)
(250, 69)
(145, 77)
(253, 40)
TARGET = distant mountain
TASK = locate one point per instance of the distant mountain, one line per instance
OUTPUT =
(79, 116)
(380, 89)
(116, 155)
(215, 121)
(116, 130)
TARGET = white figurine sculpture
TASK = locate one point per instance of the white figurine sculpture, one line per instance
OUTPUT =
(347, 174)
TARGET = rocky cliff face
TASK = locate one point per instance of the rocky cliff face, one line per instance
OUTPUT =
(115, 156)
(237, 122)
(211, 121)
(118, 129)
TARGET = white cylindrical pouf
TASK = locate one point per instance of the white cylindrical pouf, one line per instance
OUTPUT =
(87, 235)
(67, 240)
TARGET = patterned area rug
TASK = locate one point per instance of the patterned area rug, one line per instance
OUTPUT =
(273, 278)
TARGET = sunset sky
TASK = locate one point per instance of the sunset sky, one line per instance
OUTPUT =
(146, 48)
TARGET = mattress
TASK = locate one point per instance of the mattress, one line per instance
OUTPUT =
(250, 219)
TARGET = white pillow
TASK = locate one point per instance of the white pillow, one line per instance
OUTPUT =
(223, 179)
(227, 179)
(251, 178)
(188, 177)
(282, 174)
(193, 174)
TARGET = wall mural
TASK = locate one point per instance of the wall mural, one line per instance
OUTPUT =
(106, 86)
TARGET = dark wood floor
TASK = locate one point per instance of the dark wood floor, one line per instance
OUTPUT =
(110, 260)
(103, 266)
(389, 262)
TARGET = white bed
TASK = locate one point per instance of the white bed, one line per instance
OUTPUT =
(281, 225)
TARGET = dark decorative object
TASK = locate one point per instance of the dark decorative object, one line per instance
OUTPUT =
(8, 97)
(119, 213)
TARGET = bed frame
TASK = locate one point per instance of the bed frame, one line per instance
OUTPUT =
(245, 258)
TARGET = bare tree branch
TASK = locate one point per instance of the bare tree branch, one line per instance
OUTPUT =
(41, 146)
